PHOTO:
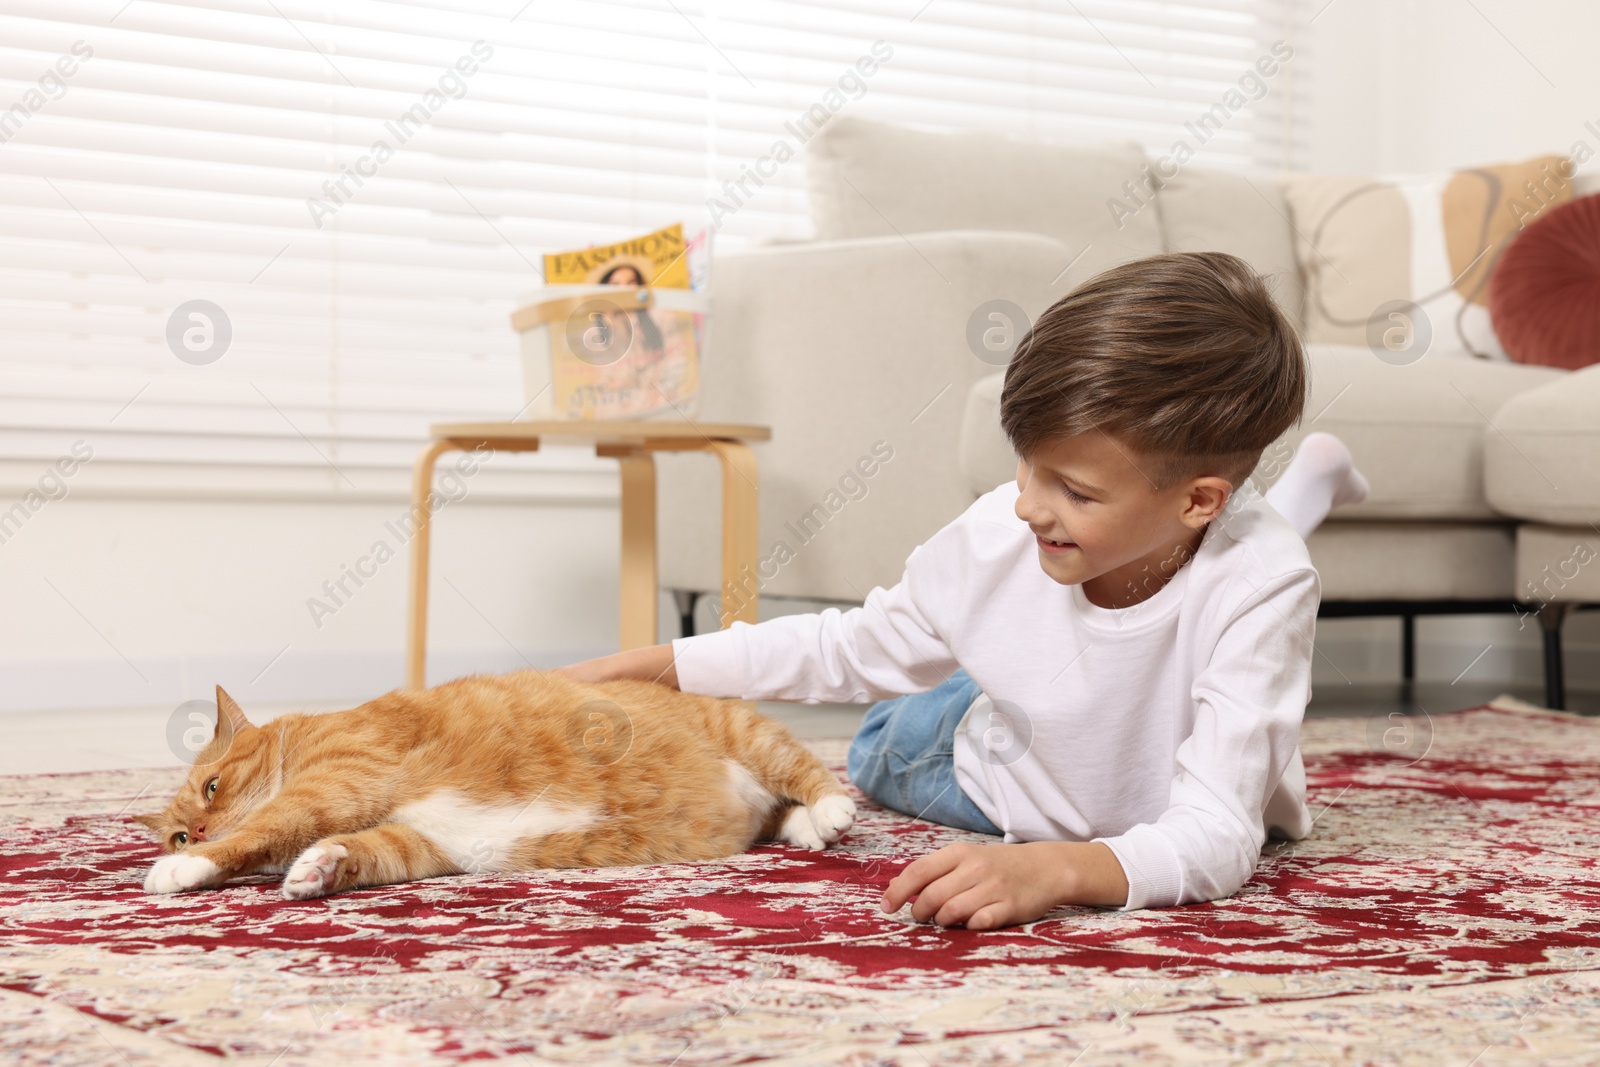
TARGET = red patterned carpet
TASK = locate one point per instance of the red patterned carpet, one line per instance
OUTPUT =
(1445, 910)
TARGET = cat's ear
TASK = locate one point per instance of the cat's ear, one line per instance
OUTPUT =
(152, 821)
(230, 717)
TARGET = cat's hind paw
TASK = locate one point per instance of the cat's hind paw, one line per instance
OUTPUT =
(313, 874)
(799, 830)
(178, 874)
(833, 815)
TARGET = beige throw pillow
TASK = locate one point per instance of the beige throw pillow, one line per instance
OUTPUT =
(1402, 264)
(872, 179)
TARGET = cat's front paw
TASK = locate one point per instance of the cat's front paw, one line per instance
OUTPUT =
(799, 830)
(178, 874)
(313, 874)
(833, 815)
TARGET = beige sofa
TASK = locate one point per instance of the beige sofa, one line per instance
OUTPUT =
(1485, 475)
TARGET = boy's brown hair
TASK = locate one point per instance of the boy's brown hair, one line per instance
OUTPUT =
(1183, 357)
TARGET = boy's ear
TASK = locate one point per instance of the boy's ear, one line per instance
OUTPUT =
(1208, 495)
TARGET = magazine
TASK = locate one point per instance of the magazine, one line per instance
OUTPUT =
(659, 260)
(613, 361)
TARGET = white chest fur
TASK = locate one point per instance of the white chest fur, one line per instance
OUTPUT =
(480, 837)
(749, 794)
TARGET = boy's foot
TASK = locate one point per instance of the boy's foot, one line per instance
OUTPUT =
(1329, 458)
(1322, 476)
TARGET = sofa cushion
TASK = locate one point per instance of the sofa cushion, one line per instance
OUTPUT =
(1542, 456)
(1420, 246)
(1416, 431)
(873, 179)
(1413, 560)
(1205, 209)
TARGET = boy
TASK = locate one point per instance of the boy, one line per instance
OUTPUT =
(1111, 657)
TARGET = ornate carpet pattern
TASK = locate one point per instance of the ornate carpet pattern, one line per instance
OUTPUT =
(1446, 909)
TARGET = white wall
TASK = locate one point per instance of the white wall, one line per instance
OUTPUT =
(1416, 85)
(146, 602)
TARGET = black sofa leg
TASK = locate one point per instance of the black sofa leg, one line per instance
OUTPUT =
(1408, 650)
(685, 599)
(1550, 619)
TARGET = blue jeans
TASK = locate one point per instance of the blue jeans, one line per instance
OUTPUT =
(902, 757)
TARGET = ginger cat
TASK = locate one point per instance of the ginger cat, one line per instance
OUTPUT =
(490, 773)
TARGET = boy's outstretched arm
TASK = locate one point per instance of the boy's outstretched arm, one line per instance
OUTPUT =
(653, 663)
(891, 645)
(987, 886)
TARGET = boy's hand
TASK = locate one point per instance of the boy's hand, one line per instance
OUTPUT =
(988, 886)
(653, 664)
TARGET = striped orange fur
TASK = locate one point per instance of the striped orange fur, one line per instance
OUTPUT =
(490, 773)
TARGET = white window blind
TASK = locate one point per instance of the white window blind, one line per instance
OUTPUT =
(159, 152)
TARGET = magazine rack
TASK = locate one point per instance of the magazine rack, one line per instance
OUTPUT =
(586, 352)
(544, 312)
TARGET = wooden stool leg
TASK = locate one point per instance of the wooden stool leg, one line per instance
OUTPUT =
(417, 616)
(637, 583)
(741, 526)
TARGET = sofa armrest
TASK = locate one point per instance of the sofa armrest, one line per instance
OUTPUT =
(856, 353)
(986, 457)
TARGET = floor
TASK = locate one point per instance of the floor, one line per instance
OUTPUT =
(92, 739)
(1443, 913)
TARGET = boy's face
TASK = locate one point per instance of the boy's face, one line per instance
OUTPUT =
(1123, 537)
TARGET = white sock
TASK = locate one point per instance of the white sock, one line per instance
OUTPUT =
(1321, 477)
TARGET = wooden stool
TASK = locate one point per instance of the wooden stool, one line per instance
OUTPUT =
(633, 445)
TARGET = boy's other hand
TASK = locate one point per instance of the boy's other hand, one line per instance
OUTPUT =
(988, 886)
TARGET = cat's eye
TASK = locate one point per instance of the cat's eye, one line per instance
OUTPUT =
(211, 788)
(180, 838)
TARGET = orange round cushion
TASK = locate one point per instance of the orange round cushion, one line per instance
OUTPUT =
(1544, 295)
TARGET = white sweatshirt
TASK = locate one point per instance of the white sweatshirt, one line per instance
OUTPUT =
(1169, 730)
